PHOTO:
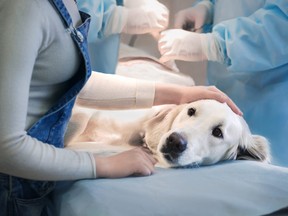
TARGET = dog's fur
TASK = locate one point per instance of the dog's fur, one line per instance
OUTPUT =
(200, 133)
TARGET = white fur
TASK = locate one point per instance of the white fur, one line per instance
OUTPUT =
(202, 148)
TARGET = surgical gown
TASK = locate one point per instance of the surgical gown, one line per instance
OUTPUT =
(103, 49)
(253, 37)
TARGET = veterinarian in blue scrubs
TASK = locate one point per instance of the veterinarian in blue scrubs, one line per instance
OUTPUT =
(247, 51)
(109, 18)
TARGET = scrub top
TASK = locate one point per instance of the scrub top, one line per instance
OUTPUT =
(254, 43)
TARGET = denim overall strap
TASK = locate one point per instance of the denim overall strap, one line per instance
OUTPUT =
(22, 197)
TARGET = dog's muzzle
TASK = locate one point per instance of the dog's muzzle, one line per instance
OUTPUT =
(174, 146)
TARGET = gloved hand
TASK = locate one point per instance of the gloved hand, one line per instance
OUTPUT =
(147, 16)
(194, 18)
(183, 45)
(137, 3)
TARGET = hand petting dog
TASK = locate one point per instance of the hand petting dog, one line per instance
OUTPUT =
(175, 94)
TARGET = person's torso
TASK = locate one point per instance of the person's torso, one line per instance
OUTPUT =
(227, 9)
(50, 81)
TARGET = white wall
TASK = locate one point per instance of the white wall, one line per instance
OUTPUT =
(148, 43)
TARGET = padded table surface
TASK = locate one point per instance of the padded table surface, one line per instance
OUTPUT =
(229, 188)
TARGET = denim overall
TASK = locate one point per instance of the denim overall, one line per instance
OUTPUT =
(22, 197)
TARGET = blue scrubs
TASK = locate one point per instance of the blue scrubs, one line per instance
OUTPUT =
(103, 49)
(253, 37)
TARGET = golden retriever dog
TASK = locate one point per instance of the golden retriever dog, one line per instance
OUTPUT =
(199, 133)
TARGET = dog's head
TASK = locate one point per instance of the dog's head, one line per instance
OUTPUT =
(202, 133)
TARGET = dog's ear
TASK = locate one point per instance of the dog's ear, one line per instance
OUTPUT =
(252, 147)
(255, 148)
(157, 118)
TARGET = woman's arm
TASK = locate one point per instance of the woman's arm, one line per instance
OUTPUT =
(104, 91)
(22, 24)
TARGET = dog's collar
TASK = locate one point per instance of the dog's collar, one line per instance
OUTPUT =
(145, 145)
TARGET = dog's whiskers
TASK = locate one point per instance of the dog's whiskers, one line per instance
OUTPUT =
(196, 165)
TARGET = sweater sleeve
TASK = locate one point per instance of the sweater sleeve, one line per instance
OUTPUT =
(21, 27)
(106, 91)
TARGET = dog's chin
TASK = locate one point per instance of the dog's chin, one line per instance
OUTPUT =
(171, 159)
(174, 160)
(167, 161)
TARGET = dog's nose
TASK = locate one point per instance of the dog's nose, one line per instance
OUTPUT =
(175, 143)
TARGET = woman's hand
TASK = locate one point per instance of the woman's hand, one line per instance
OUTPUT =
(209, 92)
(137, 162)
(176, 94)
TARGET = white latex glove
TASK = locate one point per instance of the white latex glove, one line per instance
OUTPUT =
(183, 45)
(140, 3)
(194, 18)
(150, 17)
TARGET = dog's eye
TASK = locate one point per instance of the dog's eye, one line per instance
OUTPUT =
(191, 111)
(217, 132)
